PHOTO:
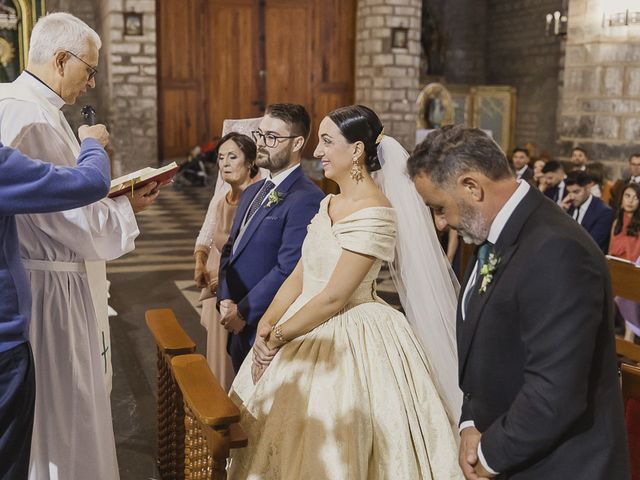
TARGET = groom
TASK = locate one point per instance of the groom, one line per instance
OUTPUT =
(268, 229)
(536, 355)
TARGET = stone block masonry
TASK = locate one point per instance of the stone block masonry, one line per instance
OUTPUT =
(387, 79)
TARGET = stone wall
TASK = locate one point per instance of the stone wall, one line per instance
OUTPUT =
(125, 97)
(461, 31)
(601, 94)
(387, 79)
(132, 84)
(519, 54)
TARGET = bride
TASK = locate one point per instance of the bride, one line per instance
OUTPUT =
(339, 386)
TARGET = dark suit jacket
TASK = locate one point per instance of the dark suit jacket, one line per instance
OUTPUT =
(266, 254)
(536, 351)
(552, 193)
(527, 175)
(597, 221)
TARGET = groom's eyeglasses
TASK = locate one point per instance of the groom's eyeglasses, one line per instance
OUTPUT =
(92, 70)
(269, 139)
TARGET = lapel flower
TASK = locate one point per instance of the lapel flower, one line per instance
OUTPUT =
(274, 198)
(487, 271)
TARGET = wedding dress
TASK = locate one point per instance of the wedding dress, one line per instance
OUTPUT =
(353, 398)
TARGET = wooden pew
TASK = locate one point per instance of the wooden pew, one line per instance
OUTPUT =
(211, 419)
(171, 340)
(630, 377)
(197, 421)
(625, 282)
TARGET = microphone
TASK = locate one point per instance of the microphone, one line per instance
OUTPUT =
(89, 115)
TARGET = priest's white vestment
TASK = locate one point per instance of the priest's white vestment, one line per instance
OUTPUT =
(64, 254)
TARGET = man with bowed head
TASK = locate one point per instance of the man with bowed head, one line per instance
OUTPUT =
(64, 254)
(536, 358)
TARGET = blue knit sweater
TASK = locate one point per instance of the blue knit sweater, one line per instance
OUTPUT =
(32, 186)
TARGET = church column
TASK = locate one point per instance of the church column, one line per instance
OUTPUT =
(130, 58)
(600, 96)
(387, 65)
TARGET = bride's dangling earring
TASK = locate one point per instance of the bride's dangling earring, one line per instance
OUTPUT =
(356, 171)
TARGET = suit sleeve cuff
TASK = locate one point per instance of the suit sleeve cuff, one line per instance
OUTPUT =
(466, 424)
(483, 461)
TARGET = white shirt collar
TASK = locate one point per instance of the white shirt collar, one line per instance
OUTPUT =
(506, 211)
(521, 171)
(582, 209)
(280, 177)
(39, 86)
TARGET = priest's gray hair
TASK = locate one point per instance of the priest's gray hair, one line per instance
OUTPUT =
(60, 31)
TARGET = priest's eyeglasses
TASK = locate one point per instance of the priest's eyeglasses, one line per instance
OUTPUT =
(270, 140)
(93, 70)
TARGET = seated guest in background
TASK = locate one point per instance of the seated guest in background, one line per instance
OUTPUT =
(633, 176)
(236, 162)
(520, 161)
(588, 210)
(538, 176)
(625, 243)
(554, 176)
(28, 186)
(579, 158)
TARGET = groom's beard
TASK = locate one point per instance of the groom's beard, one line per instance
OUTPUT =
(473, 227)
(275, 162)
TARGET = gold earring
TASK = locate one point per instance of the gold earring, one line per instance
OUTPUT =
(356, 171)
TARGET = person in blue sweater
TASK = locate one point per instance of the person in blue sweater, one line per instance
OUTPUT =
(32, 186)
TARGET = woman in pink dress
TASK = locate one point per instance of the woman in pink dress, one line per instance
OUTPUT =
(625, 243)
(236, 162)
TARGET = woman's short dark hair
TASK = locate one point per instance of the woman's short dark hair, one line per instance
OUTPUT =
(358, 123)
(634, 225)
(450, 151)
(294, 115)
(246, 146)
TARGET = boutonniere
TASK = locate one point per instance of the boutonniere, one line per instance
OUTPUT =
(274, 198)
(487, 271)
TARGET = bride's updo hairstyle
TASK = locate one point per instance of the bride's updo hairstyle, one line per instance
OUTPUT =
(358, 123)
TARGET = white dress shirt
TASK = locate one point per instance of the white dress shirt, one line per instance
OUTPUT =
(520, 172)
(578, 213)
(561, 187)
(497, 226)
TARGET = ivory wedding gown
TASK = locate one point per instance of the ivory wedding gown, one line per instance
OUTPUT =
(353, 398)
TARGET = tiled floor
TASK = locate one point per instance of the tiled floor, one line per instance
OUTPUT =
(158, 274)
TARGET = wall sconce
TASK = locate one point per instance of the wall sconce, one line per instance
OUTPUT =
(621, 19)
(556, 23)
(400, 37)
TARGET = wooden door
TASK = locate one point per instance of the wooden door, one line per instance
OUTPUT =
(181, 121)
(229, 58)
(232, 58)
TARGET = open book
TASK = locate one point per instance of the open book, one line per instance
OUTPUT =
(128, 183)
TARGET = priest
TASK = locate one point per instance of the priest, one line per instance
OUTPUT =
(64, 254)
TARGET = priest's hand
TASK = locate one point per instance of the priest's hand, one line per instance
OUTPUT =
(201, 275)
(97, 132)
(143, 197)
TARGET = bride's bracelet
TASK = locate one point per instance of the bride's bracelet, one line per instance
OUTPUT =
(277, 332)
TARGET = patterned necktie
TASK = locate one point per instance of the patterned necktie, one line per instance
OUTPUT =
(483, 256)
(259, 198)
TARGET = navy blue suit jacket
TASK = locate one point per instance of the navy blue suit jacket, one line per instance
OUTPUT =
(597, 221)
(266, 254)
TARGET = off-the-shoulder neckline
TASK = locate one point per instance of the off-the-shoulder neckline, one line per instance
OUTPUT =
(333, 224)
